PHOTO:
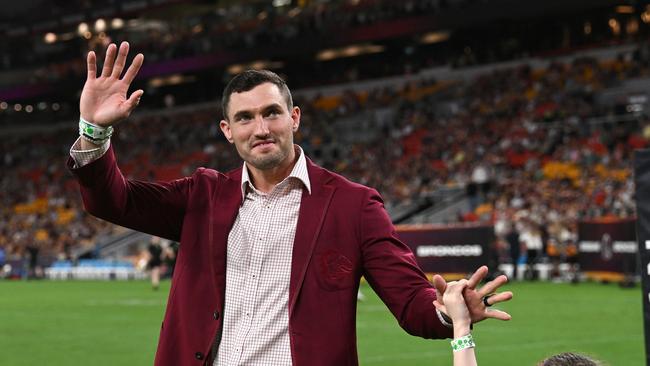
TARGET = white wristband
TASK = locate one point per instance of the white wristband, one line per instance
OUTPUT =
(93, 132)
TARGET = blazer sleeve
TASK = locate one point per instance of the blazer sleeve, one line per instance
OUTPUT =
(153, 208)
(392, 271)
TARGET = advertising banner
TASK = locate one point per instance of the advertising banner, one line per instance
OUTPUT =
(449, 248)
(608, 245)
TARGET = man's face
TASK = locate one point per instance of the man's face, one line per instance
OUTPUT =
(261, 126)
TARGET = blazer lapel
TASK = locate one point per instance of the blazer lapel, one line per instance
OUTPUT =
(313, 208)
(225, 207)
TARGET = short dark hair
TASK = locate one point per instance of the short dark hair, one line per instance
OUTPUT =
(569, 359)
(248, 80)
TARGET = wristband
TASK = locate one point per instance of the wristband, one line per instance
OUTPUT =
(94, 133)
(459, 344)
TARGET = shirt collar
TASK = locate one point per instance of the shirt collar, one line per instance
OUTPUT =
(299, 172)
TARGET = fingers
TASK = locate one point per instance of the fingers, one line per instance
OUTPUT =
(456, 287)
(121, 60)
(134, 100)
(132, 71)
(109, 60)
(497, 298)
(491, 286)
(440, 284)
(497, 314)
(92, 65)
(477, 277)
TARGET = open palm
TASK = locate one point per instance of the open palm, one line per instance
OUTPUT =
(104, 99)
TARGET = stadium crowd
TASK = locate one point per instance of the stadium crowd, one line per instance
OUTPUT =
(520, 140)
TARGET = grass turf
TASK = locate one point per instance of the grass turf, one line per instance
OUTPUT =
(117, 323)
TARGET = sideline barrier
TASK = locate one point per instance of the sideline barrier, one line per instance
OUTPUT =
(93, 269)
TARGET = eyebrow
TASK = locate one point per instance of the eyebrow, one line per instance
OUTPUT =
(266, 108)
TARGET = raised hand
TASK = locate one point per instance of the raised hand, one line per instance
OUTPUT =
(474, 297)
(103, 99)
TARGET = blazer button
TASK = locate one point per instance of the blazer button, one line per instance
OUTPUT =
(198, 355)
(215, 315)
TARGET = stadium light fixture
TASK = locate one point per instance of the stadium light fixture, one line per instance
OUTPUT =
(4, 105)
(280, 3)
(50, 37)
(117, 23)
(55, 106)
(645, 16)
(435, 37)
(174, 79)
(587, 28)
(82, 28)
(100, 25)
(349, 51)
(18, 107)
(615, 26)
(29, 108)
(255, 65)
(625, 9)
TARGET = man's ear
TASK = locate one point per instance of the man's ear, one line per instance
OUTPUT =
(295, 116)
(225, 128)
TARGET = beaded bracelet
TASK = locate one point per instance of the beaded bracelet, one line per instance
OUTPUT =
(459, 344)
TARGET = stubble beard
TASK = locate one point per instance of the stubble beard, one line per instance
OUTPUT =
(269, 160)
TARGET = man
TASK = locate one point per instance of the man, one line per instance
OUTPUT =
(271, 254)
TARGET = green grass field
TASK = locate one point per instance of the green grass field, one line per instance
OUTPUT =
(117, 323)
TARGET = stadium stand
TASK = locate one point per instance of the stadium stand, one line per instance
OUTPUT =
(524, 144)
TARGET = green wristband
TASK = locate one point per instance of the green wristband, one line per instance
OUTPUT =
(459, 344)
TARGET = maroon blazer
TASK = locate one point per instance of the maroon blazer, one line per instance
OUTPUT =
(343, 233)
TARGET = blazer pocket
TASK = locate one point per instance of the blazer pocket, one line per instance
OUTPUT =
(334, 271)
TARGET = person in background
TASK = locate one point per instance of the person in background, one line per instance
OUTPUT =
(531, 238)
(514, 248)
(155, 261)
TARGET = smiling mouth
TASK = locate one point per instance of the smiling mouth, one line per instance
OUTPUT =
(263, 144)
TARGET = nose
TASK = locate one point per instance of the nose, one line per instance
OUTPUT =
(261, 126)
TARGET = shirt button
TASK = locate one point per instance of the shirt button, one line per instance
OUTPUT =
(254, 276)
(248, 315)
(198, 355)
(215, 315)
